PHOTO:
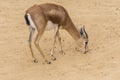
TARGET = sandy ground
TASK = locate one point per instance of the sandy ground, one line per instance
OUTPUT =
(102, 62)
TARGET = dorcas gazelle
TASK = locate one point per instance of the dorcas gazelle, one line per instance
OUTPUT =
(38, 16)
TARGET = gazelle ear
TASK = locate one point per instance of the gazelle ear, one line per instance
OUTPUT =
(83, 32)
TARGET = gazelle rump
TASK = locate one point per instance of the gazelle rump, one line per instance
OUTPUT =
(38, 16)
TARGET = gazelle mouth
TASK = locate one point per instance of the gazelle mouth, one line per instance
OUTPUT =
(86, 42)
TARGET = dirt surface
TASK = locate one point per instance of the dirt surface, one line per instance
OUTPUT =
(102, 62)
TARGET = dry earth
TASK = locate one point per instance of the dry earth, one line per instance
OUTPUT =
(102, 62)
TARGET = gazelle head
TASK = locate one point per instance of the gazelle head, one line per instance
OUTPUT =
(83, 37)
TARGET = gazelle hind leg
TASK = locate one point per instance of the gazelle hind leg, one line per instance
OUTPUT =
(60, 43)
(30, 45)
(37, 39)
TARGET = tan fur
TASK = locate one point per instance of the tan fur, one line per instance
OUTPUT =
(43, 13)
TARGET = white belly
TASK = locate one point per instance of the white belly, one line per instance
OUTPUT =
(51, 25)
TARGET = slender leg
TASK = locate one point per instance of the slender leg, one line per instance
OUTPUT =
(38, 47)
(54, 41)
(60, 44)
(30, 46)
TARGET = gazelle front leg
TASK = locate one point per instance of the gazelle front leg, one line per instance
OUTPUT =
(60, 43)
(57, 35)
(54, 41)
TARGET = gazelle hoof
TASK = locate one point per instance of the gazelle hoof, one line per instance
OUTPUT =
(85, 52)
(48, 62)
(35, 61)
(62, 52)
(53, 58)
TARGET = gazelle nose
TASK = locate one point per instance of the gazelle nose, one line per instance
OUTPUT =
(86, 42)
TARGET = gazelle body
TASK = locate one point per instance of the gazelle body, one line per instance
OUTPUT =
(38, 16)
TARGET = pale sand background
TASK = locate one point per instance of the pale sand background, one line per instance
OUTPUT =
(102, 21)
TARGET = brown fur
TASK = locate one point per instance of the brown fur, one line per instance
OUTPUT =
(40, 15)
(55, 13)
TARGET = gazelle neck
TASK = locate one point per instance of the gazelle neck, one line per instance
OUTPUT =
(72, 30)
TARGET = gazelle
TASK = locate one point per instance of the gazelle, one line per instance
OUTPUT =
(38, 16)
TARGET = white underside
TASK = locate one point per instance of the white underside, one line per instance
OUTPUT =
(49, 25)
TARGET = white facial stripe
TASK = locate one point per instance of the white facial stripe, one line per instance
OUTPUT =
(31, 21)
